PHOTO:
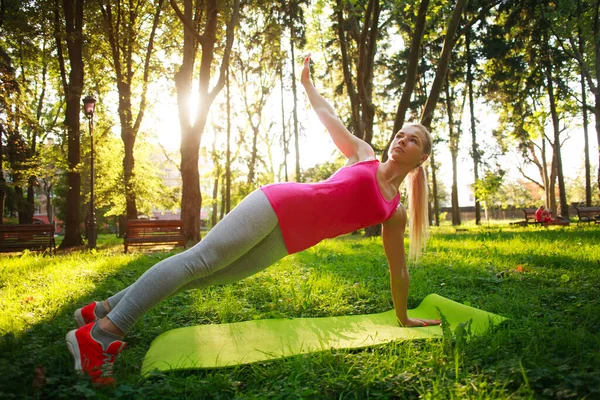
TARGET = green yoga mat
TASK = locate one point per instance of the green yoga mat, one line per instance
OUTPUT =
(224, 345)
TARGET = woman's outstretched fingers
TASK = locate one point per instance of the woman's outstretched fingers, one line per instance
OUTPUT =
(305, 77)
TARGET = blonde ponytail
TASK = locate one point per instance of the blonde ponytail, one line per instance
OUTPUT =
(418, 211)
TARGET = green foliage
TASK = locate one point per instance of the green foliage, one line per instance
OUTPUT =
(487, 187)
(513, 194)
(322, 171)
(149, 185)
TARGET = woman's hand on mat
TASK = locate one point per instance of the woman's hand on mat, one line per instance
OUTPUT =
(305, 77)
(415, 322)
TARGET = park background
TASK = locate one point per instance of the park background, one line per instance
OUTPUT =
(497, 105)
(509, 89)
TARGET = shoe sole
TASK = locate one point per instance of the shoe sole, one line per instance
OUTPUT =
(79, 318)
(73, 348)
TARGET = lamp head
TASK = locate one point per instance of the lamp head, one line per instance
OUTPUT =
(89, 103)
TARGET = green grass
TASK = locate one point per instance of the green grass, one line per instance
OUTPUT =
(548, 349)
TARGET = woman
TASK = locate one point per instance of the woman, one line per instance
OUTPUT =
(275, 221)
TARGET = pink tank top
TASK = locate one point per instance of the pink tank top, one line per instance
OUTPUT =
(349, 200)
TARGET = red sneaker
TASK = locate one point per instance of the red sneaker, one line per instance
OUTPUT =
(85, 315)
(90, 357)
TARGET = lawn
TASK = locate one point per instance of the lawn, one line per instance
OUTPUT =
(545, 280)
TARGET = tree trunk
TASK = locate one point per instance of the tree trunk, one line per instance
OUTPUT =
(411, 75)
(351, 91)
(474, 146)
(586, 147)
(552, 184)
(253, 156)
(73, 11)
(191, 133)
(215, 193)
(228, 153)
(597, 118)
(564, 208)
(596, 32)
(545, 176)
(588, 180)
(283, 136)
(436, 203)
(454, 137)
(442, 66)
(128, 138)
(295, 114)
(361, 95)
(123, 53)
(2, 180)
(49, 206)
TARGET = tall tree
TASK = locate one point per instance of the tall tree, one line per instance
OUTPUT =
(130, 33)
(475, 148)
(202, 21)
(582, 17)
(68, 26)
(291, 16)
(29, 102)
(527, 81)
(454, 134)
(411, 73)
(257, 60)
(549, 61)
(358, 31)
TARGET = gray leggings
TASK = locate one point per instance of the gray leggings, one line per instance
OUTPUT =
(243, 243)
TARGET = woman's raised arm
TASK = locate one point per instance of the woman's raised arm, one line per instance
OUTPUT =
(352, 147)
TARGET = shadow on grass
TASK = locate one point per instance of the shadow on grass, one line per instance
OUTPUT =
(540, 234)
(35, 362)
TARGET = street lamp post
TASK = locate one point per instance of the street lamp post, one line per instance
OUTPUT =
(89, 103)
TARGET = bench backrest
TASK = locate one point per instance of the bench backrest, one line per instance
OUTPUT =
(16, 237)
(26, 230)
(529, 213)
(152, 227)
(587, 210)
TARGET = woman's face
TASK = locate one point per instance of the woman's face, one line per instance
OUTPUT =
(408, 146)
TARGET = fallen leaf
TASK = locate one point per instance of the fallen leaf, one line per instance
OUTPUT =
(39, 377)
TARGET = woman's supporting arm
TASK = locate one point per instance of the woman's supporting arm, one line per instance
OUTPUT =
(393, 243)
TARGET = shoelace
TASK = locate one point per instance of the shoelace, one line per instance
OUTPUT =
(107, 364)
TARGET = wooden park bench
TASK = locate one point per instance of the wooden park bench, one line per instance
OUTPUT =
(37, 237)
(588, 214)
(529, 218)
(153, 232)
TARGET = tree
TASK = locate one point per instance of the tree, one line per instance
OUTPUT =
(291, 16)
(528, 80)
(582, 17)
(257, 61)
(29, 101)
(411, 73)
(358, 28)
(127, 27)
(487, 187)
(213, 15)
(72, 33)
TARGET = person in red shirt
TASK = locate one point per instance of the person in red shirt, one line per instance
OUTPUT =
(542, 215)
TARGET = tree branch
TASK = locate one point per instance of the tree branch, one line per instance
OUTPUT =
(233, 21)
(187, 23)
(149, 49)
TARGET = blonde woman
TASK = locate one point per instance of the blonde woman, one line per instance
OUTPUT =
(272, 222)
